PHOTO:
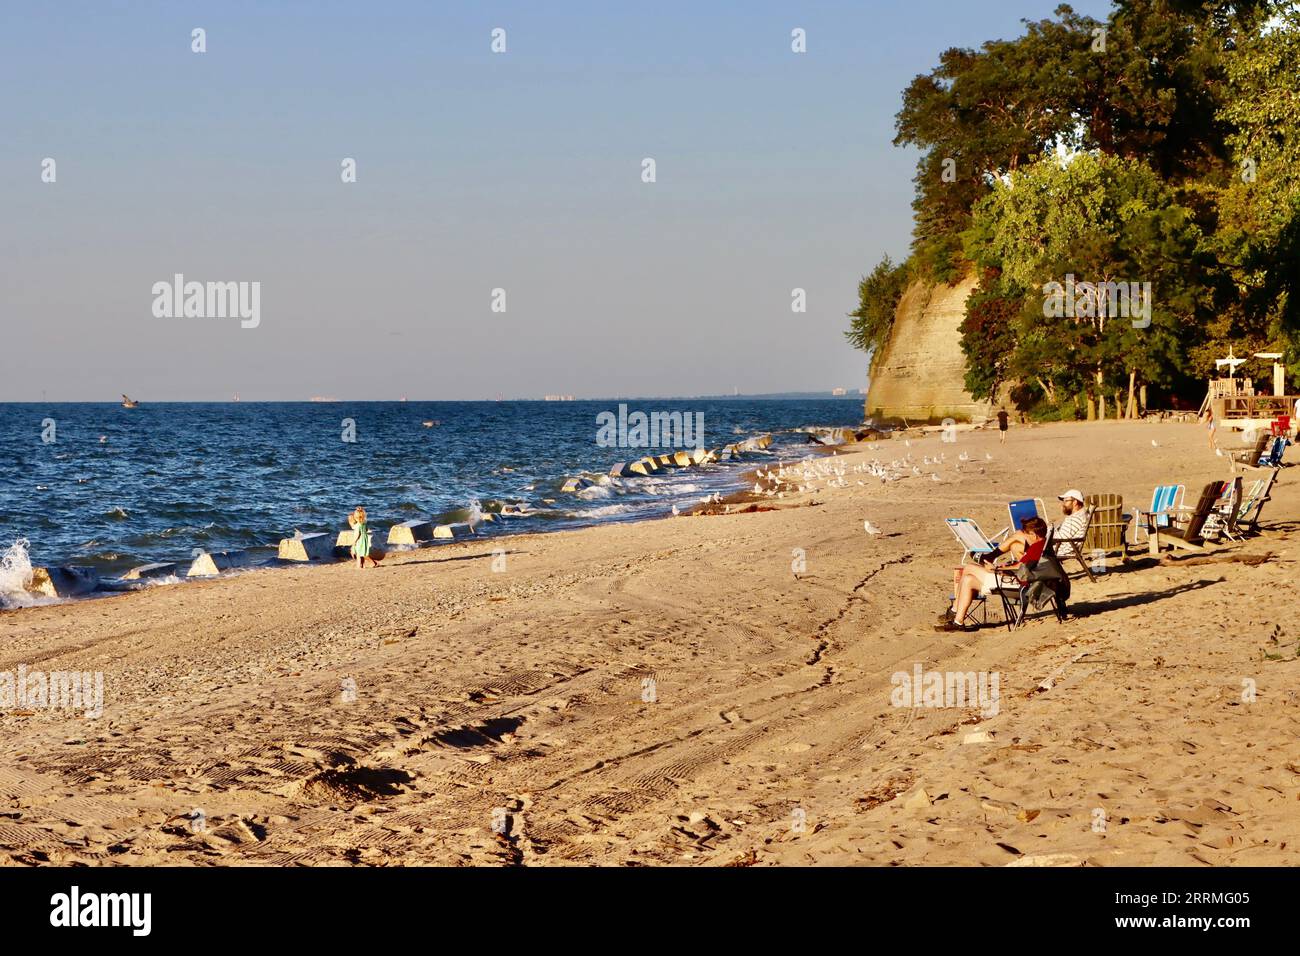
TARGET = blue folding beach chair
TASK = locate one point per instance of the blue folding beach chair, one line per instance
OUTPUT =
(1273, 457)
(1166, 502)
(1018, 511)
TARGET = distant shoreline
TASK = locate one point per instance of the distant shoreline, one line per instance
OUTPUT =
(765, 397)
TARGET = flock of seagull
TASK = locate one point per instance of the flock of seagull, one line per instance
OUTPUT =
(822, 474)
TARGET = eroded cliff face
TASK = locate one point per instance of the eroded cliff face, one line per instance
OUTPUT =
(919, 374)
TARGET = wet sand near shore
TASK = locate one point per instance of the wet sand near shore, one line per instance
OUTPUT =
(671, 693)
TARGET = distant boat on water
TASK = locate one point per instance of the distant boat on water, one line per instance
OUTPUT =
(129, 402)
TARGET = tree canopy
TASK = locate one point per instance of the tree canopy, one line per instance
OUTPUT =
(1160, 146)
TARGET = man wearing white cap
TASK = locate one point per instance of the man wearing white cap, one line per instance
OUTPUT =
(1076, 518)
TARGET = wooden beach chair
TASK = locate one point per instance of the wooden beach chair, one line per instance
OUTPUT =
(1249, 457)
(1166, 501)
(1185, 534)
(1273, 457)
(968, 534)
(1222, 520)
(1253, 501)
(1108, 530)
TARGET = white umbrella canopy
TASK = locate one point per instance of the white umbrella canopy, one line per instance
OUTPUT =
(1231, 361)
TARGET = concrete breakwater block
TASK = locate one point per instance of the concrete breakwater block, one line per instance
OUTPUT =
(648, 465)
(409, 532)
(636, 468)
(665, 461)
(63, 582)
(159, 569)
(458, 530)
(574, 484)
(211, 563)
(619, 470)
(307, 547)
(682, 459)
(700, 456)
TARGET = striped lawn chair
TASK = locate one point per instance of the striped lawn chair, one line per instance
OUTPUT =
(1166, 501)
(975, 543)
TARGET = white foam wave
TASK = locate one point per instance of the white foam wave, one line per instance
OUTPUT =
(603, 511)
(16, 575)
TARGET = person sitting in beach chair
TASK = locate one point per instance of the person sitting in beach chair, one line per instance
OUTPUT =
(1039, 584)
(971, 580)
(1075, 521)
(1069, 535)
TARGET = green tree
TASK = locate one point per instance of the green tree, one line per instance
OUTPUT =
(1097, 219)
(878, 295)
(1149, 82)
(988, 336)
(1258, 236)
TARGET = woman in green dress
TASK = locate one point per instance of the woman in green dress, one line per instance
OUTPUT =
(361, 540)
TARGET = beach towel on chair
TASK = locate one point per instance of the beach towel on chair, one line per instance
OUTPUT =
(1047, 582)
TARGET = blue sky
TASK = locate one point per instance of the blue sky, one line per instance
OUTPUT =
(476, 171)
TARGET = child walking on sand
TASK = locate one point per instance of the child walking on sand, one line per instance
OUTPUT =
(361, 541)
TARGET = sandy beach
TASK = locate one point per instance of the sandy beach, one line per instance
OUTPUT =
(670, 692)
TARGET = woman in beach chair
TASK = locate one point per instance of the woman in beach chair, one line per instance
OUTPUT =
(1025, 546)
(1045, 583)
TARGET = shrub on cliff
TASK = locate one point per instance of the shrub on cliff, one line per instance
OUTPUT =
(878, 295)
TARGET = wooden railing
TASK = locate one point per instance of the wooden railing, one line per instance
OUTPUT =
(1253, 406)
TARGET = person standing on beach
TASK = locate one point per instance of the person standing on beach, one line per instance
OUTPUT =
(361, 539)
(1002, 426)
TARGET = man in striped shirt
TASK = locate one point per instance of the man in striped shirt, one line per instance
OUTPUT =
(1076, 518)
